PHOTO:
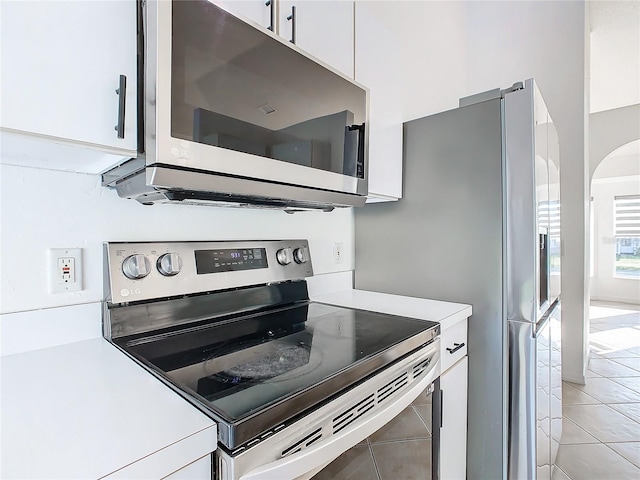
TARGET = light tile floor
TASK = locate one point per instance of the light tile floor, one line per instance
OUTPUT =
(401, 450)
(601, 420)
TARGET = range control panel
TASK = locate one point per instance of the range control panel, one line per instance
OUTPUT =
(143, 270)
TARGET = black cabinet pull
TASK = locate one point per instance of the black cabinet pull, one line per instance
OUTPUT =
(272, 15)
(122, 97)
(456, 347)
(292, 18)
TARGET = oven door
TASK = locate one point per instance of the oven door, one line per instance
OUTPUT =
(227, 98)
(303, 448)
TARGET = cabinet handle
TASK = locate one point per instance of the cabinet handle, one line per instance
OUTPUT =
(272, 14)
(292, 17)
(122, 96)
(456, 347)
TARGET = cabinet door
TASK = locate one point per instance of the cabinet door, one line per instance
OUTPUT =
(322, 28)
(61, 63)
(257, 10)
(453, 435)
(378, 66)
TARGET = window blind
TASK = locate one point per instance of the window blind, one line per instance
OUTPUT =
(549, 215)
(627, 216)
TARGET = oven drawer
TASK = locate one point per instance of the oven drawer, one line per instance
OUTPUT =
(453, 344)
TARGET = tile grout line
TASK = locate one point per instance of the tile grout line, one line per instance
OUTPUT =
(415, 410)
(613, 380)
(565, 473)
(402, 440)
(578, 426)
(373, 457)
(620, 455)
(622, 413)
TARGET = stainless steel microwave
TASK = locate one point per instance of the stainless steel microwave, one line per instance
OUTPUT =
(230, 113)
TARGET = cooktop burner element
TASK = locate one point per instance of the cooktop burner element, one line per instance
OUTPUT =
(282, 359)
(233, 331)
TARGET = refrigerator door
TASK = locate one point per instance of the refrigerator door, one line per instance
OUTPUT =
(444, 240)
(543, 400)
(555, 409)
(529, 400)
(527, 203)
(555, 250)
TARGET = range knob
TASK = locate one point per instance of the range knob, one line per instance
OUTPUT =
(284, 256)
(169, 264)
(301, 255)
(136, 267)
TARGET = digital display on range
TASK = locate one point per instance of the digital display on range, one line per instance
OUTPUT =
(230, 260)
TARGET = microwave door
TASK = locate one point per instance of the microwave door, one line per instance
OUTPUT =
(232, 99)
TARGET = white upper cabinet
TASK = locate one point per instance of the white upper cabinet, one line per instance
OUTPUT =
(61, 65)
(258, 11)
(322, 28)
(378, 65)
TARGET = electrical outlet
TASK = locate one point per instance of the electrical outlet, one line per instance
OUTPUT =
(338, 253)
(65, 270)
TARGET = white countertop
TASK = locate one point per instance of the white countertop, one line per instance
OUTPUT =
(85, 410)
(445, 313)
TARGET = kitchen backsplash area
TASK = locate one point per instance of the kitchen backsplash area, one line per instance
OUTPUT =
(44, 209)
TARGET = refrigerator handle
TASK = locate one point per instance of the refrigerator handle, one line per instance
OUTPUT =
(542, 323)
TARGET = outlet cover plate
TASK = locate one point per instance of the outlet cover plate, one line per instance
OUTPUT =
(65, 270)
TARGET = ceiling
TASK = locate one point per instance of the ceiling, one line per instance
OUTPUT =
(615, 54)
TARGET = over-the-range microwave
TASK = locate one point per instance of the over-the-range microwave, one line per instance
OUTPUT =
(231, 113)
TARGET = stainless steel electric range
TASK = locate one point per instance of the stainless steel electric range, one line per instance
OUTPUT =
(229, 325)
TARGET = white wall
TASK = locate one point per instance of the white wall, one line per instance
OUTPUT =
(455, 49)
(610, 130)
(604, 284)
(44, 209)
(618, 166)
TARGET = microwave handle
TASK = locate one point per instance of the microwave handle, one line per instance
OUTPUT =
(122, 97)
(312, 459)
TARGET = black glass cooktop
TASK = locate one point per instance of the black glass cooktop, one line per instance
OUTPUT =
(241, 368)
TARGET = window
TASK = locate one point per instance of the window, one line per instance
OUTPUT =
(627, 233)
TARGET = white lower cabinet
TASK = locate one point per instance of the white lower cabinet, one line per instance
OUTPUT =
(453, 383)
(453, 434)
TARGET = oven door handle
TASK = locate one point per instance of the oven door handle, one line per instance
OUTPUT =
(311, 460)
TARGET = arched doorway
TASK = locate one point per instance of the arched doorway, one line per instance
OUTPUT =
(615, 226)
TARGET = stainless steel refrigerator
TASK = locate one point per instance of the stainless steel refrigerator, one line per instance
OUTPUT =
(479, 223)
